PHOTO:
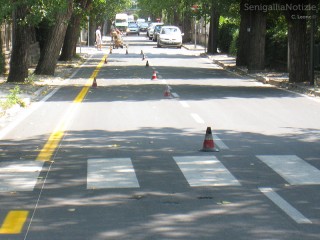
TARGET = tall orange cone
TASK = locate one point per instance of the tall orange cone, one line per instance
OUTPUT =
(167, 92)
(94, 83)
(154, 75)
(208, 143)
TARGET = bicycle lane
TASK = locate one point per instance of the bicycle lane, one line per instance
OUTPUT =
(29, 148)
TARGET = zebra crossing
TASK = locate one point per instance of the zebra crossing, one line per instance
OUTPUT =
(199, 171)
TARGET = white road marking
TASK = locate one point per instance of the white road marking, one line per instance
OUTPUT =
(175, 95)
(219, 142)
(285, 206)
(111, 173)
(292, 168)
(197, 118)
(205, 171)
(19, 175)
(184, 104)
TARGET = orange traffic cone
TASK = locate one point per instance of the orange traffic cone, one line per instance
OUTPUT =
(167, 92)
(154, 76)
(94, 83)
(208, 143)
(147, 64)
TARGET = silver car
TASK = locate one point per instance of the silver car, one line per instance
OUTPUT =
(170, 36)
(151, 29)
(133, 28)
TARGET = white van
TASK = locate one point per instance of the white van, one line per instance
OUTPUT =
(121, 21)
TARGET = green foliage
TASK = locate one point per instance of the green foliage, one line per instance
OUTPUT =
(226, 36)
(234, 43)
(276, 41)
(13, 99)
(30, 79)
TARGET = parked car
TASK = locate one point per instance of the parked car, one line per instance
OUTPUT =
(133, 28)
(151, 29)
(143, 26)
(170, 36)
(156, 31)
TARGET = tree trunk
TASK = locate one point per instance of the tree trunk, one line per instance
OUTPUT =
(186, 28)
(298, 42)
(243, 46)
(50, 50)
(214, 31)
(71, 38)
(92, 31)
(257, 41)
(20, 46)
(73, 32)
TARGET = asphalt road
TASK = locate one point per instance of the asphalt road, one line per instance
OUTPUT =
(122, 160)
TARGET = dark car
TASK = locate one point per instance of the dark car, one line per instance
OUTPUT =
(156, 31)
(143, 27)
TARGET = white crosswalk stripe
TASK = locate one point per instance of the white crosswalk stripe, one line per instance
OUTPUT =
(205, 171)
(111, 173)
(292, 168)
(19, 175)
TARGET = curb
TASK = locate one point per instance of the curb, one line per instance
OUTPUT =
(266, 80)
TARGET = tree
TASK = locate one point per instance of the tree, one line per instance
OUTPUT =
(53, 35)
(297, 39)
(73, 30)
(20, 45)
(251, 48)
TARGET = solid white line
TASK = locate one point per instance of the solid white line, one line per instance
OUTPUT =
(25, 114)
(34, 106)
(111, 173)
(285, 206)
(197, 118)
(205, 171)
(292, 168)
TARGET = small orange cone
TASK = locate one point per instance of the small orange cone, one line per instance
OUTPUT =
(154, 76)
(208, 143)
(147, 64)
(167, 92)
(94, 83)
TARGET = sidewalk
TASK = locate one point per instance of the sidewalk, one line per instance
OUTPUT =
(279, 79)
